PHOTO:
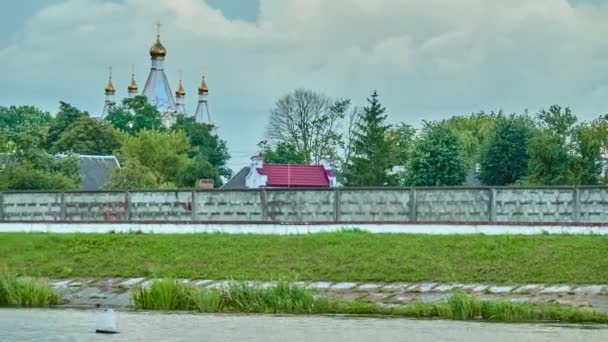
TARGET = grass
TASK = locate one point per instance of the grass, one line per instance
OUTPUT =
(346, 256)
(171, 295)
(286, 298)
(25, 292)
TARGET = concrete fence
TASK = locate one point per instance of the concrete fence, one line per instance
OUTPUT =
(341, 205)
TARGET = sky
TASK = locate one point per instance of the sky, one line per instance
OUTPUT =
(428, 59)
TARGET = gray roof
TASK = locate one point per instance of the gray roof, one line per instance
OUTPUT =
(94, 170)
(239, 180)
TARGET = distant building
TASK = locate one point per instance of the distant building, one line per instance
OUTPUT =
(158, 90)
(268, 175)
(94, 170)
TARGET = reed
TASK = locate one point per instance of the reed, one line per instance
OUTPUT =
(25, 292)
(288, 298)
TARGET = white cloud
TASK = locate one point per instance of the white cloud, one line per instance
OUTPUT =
(426, 57)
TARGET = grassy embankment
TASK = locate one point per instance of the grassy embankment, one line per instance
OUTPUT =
(25, 292)
(286, 298)
(348, 256)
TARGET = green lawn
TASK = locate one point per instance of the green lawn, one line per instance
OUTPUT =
(338, 256)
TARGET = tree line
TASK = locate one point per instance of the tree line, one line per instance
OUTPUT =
(551, 147)
(151, 156)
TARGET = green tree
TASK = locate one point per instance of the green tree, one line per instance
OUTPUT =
(133, 176)
(32, 168)
(282, 153)
(549, 159)
(474, 131)
(66, 116)
(209, 146)
(15, 119)
(164, 152)
(372, 160)
(89, 136)
(436, 158)
(560, 121)
(135, 114)
(506, 159)
(196, 169)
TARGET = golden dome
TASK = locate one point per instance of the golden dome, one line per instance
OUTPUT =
(203, 89)
(180, 90)
(158, 51)
(132, 85)
(110, 88)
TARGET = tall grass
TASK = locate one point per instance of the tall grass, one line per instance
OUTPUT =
(286, 297)
(169, 294)
(462, 306)
(25, 292)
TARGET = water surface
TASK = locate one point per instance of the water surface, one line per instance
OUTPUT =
(79, 325)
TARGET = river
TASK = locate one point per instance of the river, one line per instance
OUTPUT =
(79, 325)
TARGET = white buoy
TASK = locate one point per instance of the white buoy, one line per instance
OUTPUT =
(107, 323)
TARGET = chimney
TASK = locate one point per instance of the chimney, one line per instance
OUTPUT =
(205, 184)
(257, 162)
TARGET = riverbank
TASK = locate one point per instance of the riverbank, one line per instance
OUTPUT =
(347, 256)
(116, 292)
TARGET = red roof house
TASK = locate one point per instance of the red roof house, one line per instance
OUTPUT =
(266, 175)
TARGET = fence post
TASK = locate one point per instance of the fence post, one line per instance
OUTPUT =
(194, 206)
(576, 202)
(336, 205)
(128, 206)
(264, 202)
(413, 205)
(62, 210)
(492, 209)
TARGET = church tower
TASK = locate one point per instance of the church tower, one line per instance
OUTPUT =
(132, 88)
(180, 94)
(110, 92)
(157, 88)
(202, 110)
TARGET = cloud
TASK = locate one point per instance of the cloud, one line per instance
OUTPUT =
(427, 59)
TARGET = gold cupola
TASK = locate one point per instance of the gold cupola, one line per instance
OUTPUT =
(203, 89)
(180, 90)
(132, 88)
(158, 51)
(110, 87)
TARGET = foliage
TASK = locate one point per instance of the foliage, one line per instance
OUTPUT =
(309, 121)
(135, 114)
(400, 138)
(195, 169)
(210, 147)
(549, 160)
(282, 153)
(15, 119)
(164, 153)
(32, 168)
(132, 176)
(67, 115)
(506, 159)
(474, 133)
(89, 136)
(559, 121)
(372, 160)
(436, 158)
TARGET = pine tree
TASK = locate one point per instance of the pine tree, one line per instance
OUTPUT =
(372, 159)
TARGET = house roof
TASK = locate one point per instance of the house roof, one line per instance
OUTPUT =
(285, 175)
(238, 181)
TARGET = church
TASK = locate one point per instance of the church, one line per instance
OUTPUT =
(158, 90)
